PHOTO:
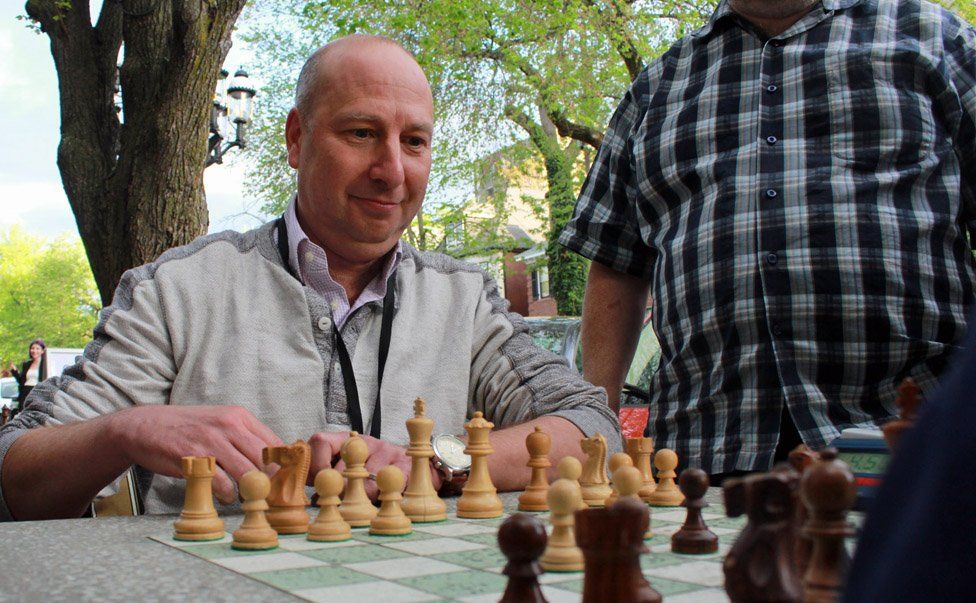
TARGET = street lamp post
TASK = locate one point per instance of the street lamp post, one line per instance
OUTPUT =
(232, 110)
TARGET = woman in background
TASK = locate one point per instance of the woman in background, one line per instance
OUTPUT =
(32, 371)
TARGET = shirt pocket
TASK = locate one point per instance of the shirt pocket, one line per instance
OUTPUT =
(880, 117)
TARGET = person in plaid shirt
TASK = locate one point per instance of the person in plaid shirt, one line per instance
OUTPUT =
(795, 183)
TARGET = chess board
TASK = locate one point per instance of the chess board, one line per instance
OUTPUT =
(455, 560)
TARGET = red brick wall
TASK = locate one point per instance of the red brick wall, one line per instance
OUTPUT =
(518, 285)
(518, 290)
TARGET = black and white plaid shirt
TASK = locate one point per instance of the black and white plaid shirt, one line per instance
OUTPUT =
(800, 206)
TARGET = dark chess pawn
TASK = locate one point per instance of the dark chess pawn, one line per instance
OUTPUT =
(694, 537)
(908, 401)
(522, 539)
(760, 565)
(828, 490)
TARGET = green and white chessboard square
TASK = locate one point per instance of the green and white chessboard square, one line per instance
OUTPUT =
(456, 560)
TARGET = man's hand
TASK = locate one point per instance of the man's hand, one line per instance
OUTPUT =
(325, 449)
(157, 437)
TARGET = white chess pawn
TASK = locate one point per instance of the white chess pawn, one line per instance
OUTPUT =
(255, 533)
(667, 493)
(356, 507)
(618, 460)
(570, 468)
(627, 481)
(562, 554)
(329, 526)
(391, 520)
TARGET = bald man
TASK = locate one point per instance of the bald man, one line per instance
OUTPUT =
(316, 323)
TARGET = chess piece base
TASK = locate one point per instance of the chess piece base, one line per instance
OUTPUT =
(329, 533)
(391, 530)
(534, 499)
(358, 516)
(562, 560)
(255, 540)
(666, 498)
(595, 495)
(288, 520)
(694, 543)
(198, 528)
(326, 537)
(198, 537)
(479, 506)
(423, 509)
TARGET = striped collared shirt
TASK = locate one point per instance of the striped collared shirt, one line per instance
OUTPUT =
(310, 263)
(800, 205)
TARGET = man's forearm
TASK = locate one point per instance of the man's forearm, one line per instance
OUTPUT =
(55, 472)
(507, 465)
(613, 311)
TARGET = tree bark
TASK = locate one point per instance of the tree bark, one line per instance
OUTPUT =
(135, 187)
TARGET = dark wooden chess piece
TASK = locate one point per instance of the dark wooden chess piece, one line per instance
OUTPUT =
(522, 539)
(908, 402)
(828, 490)
(694, 537)
(760, 566)
(800, 459)
(612, 540)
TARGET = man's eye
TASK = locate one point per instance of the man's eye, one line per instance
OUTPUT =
(360, 133)
(416, 141)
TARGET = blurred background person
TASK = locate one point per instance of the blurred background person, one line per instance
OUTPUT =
(32, 371)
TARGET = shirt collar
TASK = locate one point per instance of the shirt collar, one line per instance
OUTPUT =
(724, 10)
(296, 235)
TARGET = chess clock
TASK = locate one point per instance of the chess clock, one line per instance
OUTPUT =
(867, 454)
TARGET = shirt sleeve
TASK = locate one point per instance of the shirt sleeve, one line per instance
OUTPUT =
(514, 381)
(128, 362)
(605, 226)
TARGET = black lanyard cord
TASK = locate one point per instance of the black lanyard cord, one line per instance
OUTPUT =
(345, 362)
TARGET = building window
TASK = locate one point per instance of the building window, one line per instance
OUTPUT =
(540, 282)
(454, 236)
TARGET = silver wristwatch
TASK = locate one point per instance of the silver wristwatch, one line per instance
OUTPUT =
(451, 462)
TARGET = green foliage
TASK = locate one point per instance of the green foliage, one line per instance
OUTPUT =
(46, 290)
(964, 8)
(499, 69)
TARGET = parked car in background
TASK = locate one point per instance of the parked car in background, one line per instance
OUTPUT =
(561, 335)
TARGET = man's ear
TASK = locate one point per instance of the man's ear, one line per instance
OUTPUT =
(293, 136)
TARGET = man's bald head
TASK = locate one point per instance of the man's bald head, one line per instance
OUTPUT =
(318, 68)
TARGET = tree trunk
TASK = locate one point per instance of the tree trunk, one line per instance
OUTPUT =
(135, 188)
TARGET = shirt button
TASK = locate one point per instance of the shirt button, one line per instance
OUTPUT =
(771, 139)
(771, 193)
(772, 88)
(772, 259)
(777, 330)
(309, 256)
(325, 324)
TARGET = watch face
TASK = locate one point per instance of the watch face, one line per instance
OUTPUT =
(450, 450)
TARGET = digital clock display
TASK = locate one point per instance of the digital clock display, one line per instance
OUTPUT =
(865, 462)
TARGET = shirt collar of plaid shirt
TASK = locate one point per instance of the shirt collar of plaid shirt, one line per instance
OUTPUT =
(724, 10)
(311, 264)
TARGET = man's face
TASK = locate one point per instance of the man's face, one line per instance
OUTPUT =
(363, 154)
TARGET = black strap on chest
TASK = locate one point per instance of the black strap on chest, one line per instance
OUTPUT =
(345, 362)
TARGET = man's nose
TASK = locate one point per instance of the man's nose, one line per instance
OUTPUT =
(388, 164)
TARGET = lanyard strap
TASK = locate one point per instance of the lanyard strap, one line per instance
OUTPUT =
(345, 362)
